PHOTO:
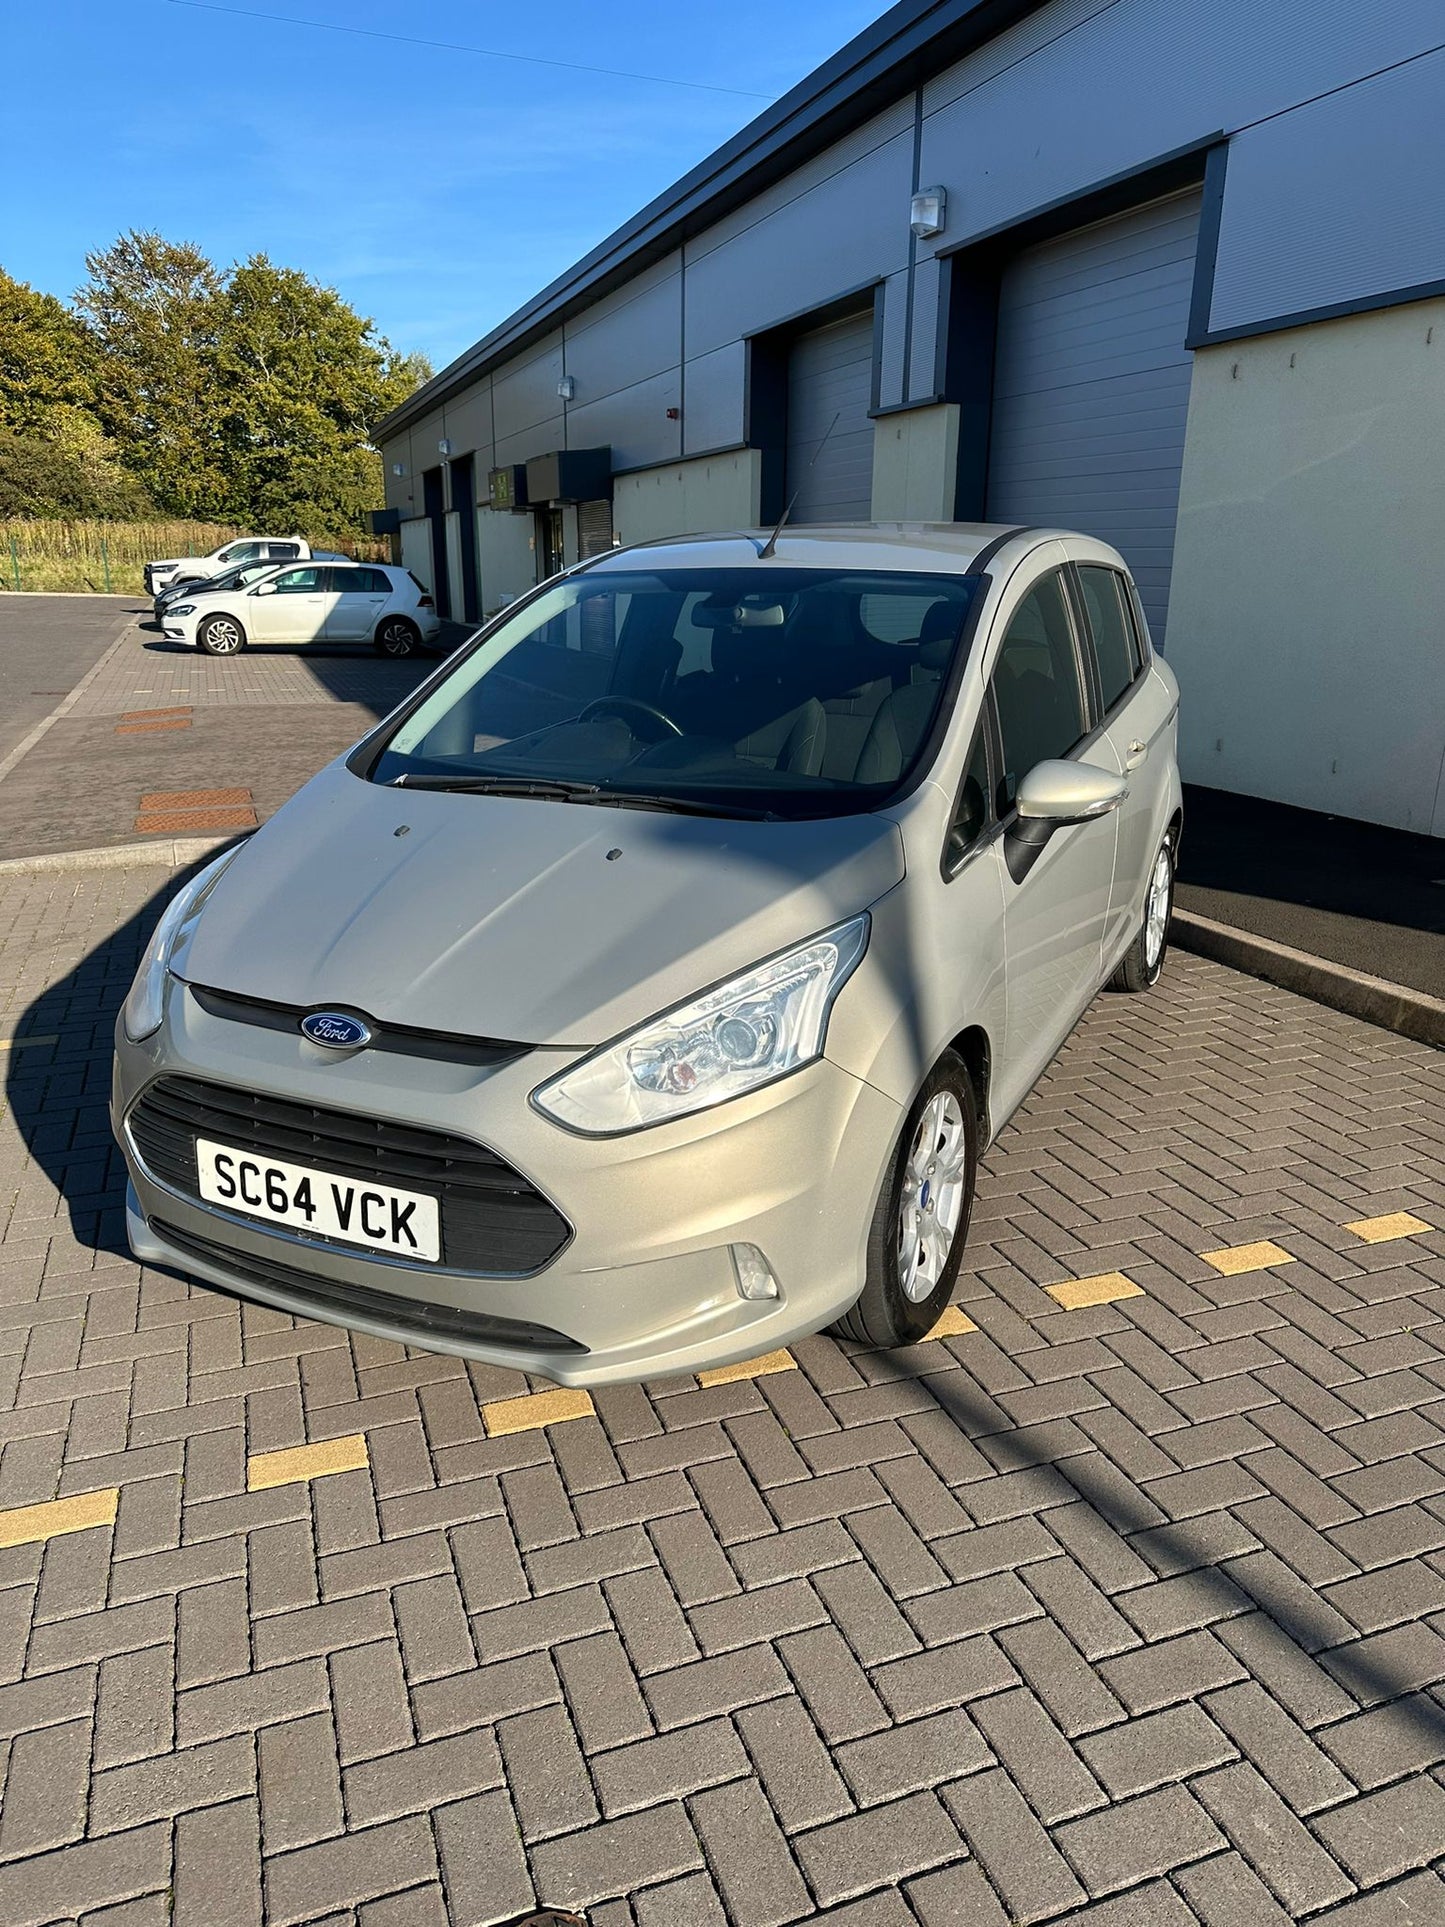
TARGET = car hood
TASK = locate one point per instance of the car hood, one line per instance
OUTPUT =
(526, 920)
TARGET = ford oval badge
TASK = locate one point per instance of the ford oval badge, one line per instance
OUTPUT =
(335, 1030)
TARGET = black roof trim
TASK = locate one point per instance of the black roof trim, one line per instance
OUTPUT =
(906, 46)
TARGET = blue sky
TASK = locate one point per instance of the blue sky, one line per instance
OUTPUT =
(437, 190)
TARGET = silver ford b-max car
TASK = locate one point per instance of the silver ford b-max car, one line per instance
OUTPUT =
(640, 994)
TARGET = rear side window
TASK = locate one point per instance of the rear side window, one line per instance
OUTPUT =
(360, 582)
(1036, 686)
(1113, 632)
(283, 551)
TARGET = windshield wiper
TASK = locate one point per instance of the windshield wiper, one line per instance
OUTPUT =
(675, 805)
(560, 790)
(555, 789)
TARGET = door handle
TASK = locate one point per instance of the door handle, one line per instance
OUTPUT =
(1138, 753)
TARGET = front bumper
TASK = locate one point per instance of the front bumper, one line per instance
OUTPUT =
(646, 1284)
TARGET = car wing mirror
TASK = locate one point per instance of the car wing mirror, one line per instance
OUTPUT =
(264, 588)
(1052, 795)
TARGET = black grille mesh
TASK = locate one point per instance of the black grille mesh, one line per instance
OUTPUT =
(492, 1219)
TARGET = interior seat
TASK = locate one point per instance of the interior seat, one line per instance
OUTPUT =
(896, 732)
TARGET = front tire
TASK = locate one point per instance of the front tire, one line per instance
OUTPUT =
(397, 637)
(221, 636)
(920, 1225)
(1143, 962)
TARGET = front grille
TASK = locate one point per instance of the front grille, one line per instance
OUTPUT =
(426, 1320)
(407, 1039)
(492, 1219)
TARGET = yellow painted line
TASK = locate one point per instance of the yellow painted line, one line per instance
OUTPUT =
(301, 1462)
(28, 1043)
(27, 1523)
(1077, 1294)
(952, 1324)
(537, 1409)
(1396, 1224)
(1234, 1259)
(749, 1368)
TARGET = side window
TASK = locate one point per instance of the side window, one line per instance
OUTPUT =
(1036, 687)
(299, 581)
(1112, 630)
(282, 551)
(242, 552)
(970, 818)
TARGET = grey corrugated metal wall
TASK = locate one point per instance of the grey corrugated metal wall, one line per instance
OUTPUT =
(1091, 387)
(830, 374)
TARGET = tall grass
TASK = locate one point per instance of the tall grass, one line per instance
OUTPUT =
(58, 555)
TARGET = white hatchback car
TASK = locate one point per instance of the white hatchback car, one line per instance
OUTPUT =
(330, 602)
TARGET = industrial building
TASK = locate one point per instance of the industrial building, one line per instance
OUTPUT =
(1173, 275)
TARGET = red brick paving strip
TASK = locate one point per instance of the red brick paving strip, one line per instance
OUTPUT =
(162, 812)
(149, 729)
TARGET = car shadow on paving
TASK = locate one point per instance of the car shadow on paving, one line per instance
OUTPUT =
(1145, 1598)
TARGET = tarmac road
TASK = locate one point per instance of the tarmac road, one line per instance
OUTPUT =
(47, 643)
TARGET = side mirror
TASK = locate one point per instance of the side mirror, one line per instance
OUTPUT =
(1059, 793)
(264, 588)
(1052, 795)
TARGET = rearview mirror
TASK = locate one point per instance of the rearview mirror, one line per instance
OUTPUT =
(1059, 793)
(1052, 795)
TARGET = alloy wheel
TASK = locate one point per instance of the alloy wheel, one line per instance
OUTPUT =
(1156, 915)
(932, 1202)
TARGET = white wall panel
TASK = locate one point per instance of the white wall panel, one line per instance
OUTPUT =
(895, 334)
(1337, 201)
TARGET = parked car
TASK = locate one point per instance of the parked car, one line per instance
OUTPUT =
(250, 548)
(313, 602)
(641, 993)
(241, 576)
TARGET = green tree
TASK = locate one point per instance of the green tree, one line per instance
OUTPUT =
(153, 307)
(47, 359)
(302, 381)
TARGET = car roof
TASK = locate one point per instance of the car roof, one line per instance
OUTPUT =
(949, 548)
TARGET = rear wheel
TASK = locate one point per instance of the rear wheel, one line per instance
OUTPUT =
(1143, 961)
(396, 636)
(221, 636)
(920, 1226)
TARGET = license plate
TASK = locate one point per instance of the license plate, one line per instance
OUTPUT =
(406, 1224)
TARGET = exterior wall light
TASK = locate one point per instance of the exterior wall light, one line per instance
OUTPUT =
(444, 447)
(928, 211)
(567, 388)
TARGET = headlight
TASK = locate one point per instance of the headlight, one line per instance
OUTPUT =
(181, 609)
(145, 1004)
(742, 1034)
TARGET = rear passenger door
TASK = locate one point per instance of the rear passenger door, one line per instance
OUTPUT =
(1135, 712)
(358, 597)
(1054, 916)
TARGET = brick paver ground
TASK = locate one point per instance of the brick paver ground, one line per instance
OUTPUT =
(1131, 1614)
(156, 716)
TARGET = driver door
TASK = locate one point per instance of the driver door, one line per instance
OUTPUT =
(1054, 915)
(296, 607)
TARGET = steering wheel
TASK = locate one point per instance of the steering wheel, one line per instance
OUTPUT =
(604, 703)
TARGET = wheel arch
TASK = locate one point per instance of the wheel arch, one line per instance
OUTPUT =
(974, 1047)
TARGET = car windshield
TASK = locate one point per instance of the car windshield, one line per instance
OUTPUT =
(759, 691)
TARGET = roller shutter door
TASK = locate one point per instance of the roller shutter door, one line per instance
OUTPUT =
(1091, 386)
(830, 373)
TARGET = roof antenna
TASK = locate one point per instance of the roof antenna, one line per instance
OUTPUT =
(767, 549)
